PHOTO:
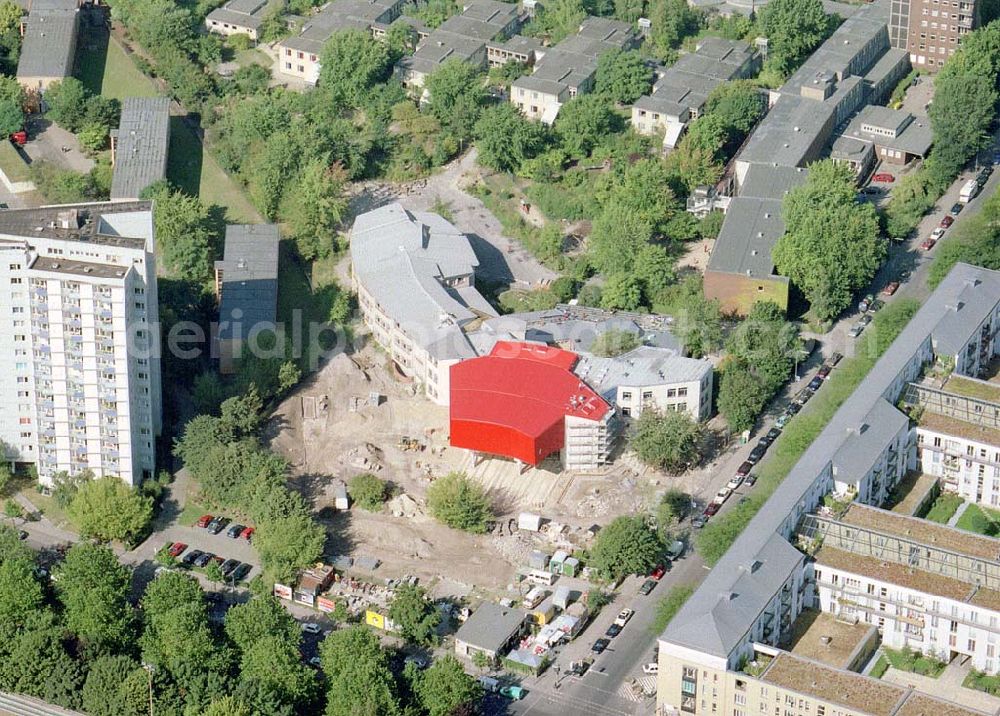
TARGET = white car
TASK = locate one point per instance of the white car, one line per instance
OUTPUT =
(651, 668)
(722, 495)
(623, 616)
(734, 483)
(937, 233)
(310, 628)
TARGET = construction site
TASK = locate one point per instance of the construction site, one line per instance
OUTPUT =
(356, 415)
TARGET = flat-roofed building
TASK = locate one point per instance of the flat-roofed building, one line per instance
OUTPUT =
(80, 340)
(930, 31)
(48, 43)
(879, 134)
(139, 146)
(238, 17)
(246, 283)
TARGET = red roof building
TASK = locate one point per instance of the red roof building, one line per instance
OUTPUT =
(523, 401)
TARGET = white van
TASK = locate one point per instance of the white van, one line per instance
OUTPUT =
(533, 598)
(489, 684)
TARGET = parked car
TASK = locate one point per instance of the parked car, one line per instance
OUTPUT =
(750, 480)
(722, 495)
(513, 692)
(928, 243)
(782, 420)
(698, 522)
(648, 586)
(310, 627)
(757, 453)
(623, 616)
(815, 383)
(937, 233)
(711, 509)
(744, 469)
(217, 525)
(824, 371)
(865, 302)
(176, 549)
(856, 329)
(240, 573)
(228, 566)
(191, 556)
(890, 288)
(956, 208)
(793, 409)
(651, 668)
(247, 533)
(876, 306)
(947, 221)
(658, 572)
(835, 359)
(735, 483)
(612, 631)
(203, 559)
(600, 645)
(421, 662)
(235, 531)
(865, 320)
(803, 395)
(578, 668)
(204, 521)
(884, 177)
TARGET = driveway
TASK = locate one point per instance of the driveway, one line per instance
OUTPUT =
(51, 143)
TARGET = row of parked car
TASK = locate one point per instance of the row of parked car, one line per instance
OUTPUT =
(214, 525)
(744, 477)
(232, 569)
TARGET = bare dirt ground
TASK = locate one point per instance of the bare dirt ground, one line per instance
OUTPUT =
(351, 436)
(696, 255)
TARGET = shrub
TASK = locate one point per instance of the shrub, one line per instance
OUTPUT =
(368, 492)
(459, 503)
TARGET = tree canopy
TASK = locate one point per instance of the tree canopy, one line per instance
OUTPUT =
(416, 617)
(506, 139)
(358, 673)
(109, 509)
(625, 546)
(351, 63)
(794, 28)
(368, 492)
(670, 441)
(623, 76)
(460, 503)
(93, 587)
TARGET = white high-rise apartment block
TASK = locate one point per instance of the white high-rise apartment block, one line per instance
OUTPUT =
(80, 385)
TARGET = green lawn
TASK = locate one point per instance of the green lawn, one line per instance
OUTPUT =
(943, 508)
(981, 682)
(981, 520)
(47, 505)
(914, 662)
(106, 69)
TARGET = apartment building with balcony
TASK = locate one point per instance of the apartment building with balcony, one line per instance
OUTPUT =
(931, 30)
(924, 586)
(756, 590)
(79, 334)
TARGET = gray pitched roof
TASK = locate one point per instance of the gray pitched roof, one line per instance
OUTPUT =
(490, 626)
(48, 48)
(141, 142)
(402, 259)
(723, 609)
(249, 278)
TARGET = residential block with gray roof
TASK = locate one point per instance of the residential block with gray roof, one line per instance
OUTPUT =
(756, 590)
(679, 95)
(414, 274)
(879, 134)
(139, 146)
(48, 43)
(246, 283)
(238, 17)
(568, 69)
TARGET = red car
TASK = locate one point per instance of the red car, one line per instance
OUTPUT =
(947, 221)
(744, 469)
(176, 549)
(890, 288)
(712, 508)
(204, 520)
(657, 573)
(883, 177)
(247, 533)
(928, 244)
(20, 138)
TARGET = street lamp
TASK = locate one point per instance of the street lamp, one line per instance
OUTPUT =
(149, 673)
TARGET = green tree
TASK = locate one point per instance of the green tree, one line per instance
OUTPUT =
(698, 323)
(617, 236)
(740, 104)
(794, 28)
(92, 137)
(445, 689)
(351, 63)
(33, 654)
(262, 616)
(358, 674)
(108, 509)
(20, 593)
(316, 208)
(183, 232)
(673, 506)
(614, 342)
(558, 19)
(208, 392)
(67, 103)
(106, 692)
(93, 587)
(626, 546)
(287, 544)
(622, 292)
(623, 76)
(672, 21)
(13, 509)
(742, 396)
(11, 117)
(669, 441)
(11, 546)
(584, 122)
(831, 242)
(460, 503)
(368, 492)
(506, 139)
(242, 415)
(228, 706)
(274, 664)
(10, 36)
(416, 617)
(457, 93)
(767, 343)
